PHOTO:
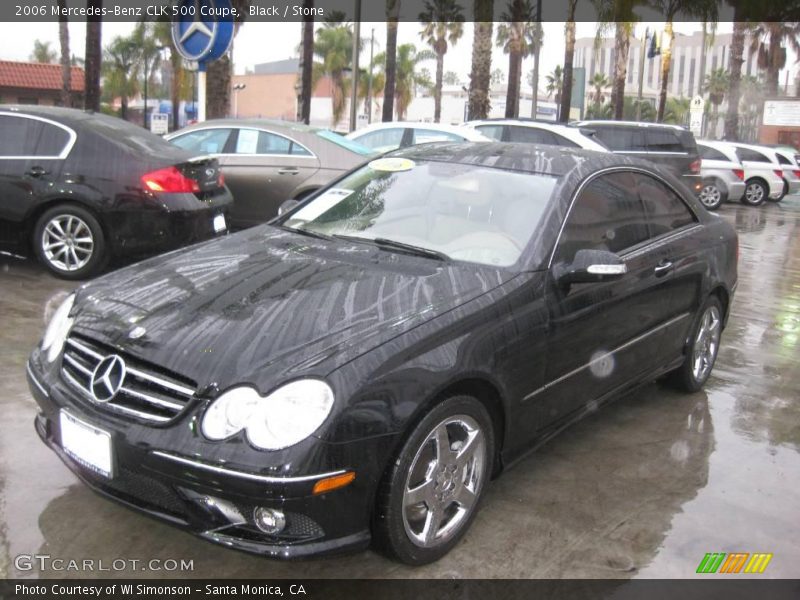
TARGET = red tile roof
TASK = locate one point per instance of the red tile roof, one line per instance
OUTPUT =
(37, 76)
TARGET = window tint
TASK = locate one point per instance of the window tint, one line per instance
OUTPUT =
(492, 131)
(783, 160)
(560, 140)
(608, 215)
(52, 140)
(661, 140)
(530, 135)
(709, 153)
(621, 138)
(254, 141)
(204, 141)
(382, 139)
(425, 136)
(664, 208)
(751, 155)
(18, 135)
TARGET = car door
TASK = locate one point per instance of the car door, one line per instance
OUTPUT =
(31, 154)
(602, 335)
(263, 169)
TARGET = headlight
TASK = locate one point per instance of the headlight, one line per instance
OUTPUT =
(283, 418)
(56, 333)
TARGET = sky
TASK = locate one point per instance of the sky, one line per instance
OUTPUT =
(250, 48)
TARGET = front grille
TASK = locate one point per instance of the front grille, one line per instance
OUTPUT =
(144, 393)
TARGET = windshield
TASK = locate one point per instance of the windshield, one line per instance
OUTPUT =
(345, 143)
(461, 212)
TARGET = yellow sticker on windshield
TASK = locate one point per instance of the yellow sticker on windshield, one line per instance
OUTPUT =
(392, 165)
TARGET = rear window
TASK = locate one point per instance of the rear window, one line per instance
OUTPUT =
(708, 153)
(344, 142)
(492, 131)
(129, 136)
(662, 140)
(629, 139)
(783, 160)
(751, 155)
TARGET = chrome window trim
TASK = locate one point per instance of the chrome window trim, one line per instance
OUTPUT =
(243, 474)
(64, 152)
(627, 344)
(240, 127)
(621, 169)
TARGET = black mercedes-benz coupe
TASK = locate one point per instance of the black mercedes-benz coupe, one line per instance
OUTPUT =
(359, 369)
(78, 189)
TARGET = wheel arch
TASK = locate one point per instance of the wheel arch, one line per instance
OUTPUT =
(35, 214)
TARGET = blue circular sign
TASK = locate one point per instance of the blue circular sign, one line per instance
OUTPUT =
(203, 29)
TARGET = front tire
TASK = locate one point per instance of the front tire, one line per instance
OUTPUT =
(755, 193)
(712, 195)
(701, 353)
(432, 491)
(69, 242)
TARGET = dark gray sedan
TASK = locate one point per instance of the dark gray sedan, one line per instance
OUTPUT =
(267, 162)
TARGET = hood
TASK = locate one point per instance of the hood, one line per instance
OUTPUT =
(266, 304)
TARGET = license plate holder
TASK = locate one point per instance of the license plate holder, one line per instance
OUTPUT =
(219, 224)
(87, 445)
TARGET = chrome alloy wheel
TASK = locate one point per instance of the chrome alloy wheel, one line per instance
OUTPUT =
(754, 193)
(67, 242)
(710, 195)
(444, 481)
(706, 343)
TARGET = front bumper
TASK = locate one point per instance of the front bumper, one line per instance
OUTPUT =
(216, 501)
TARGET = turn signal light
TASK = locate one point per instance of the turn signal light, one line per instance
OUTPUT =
(333, 483)
(739, 173)
(778, 172)
(169, 180)
(694, 167)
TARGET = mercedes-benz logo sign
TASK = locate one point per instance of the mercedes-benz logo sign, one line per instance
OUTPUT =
(107, 378)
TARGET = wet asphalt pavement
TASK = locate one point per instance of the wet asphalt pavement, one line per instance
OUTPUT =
(643, 488)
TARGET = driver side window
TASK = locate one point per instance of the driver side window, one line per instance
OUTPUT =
(607, 215)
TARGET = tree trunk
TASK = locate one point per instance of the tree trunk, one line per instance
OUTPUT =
(666, 65)
(735, 78)
(177, 85)
(123, 111)
(569, 52)
(514, 68)
(307, 61)
(93, 56)
(535, 84)
(623, 43)
(66, 66)
(481, 74)
(392, 11)
(218, 88)
(437, 91)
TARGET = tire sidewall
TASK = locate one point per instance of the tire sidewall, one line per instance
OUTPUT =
(722, 195)
(691, 383)
(764, 196)
(389, 526)
(98, 259)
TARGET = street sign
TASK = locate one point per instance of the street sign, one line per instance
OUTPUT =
(159, 123)
(696, 110)
(784, 113)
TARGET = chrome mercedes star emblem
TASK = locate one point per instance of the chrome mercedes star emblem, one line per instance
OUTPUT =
(197, 25)
(107, 378)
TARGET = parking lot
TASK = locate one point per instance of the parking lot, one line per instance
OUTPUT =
(643, 488)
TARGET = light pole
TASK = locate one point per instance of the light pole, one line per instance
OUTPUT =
(369, 81)
(356, 44)
(237, 87)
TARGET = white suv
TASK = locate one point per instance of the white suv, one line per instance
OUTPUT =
(763, 174)
(537, 132)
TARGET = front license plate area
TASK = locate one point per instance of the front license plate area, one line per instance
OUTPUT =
(86, 444)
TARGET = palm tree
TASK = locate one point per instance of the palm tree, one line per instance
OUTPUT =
(451, 78)
(149, 58)
(677, 111)
(517, 37)
(480, 73)
(555, 83)
(443, 23)
(599, 83)
(390, 60)
(736, 61)
(42, 53)
(220, 71)
(307, 62)
(333, 48)
(408, 75)
(497, 77)
(378, 81)
(716, 85)
(93, 56)
(66, 67)
(569, 52)
(121, 71)
(767, 40)
(180, 77)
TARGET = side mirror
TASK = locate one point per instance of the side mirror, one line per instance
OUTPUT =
(287, 206)
(592, 266)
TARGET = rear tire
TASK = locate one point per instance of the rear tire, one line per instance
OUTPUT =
(69, 242)
(432, 491)
(755, 192)
(712, 195)
(701, 351)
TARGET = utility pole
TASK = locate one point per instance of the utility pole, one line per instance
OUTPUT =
(356, 44)
(369, 81)
(642, 58)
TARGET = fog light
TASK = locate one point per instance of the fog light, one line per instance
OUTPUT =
(269, 520)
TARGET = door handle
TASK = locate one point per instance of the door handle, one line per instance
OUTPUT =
(36, 171)
(288, 171)
(662, 268)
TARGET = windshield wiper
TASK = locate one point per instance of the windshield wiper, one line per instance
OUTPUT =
(306, 232)
(410, 249)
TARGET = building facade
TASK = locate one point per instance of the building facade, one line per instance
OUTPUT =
(37, 83)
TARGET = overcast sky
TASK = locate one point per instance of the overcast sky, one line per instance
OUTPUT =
(250, 47)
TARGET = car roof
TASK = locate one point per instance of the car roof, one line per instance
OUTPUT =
(444, 127)
(515, 156)
(644, 124)
(67, 116)
(525, 123)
